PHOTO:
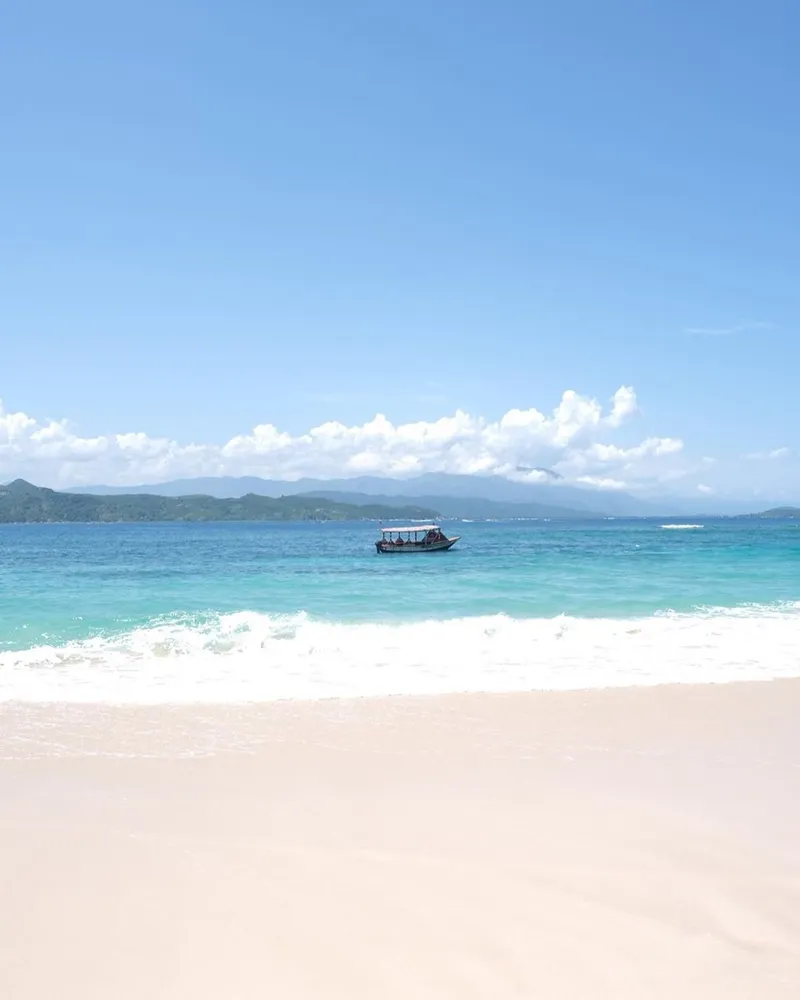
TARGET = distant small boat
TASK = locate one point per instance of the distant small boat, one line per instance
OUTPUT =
(421, 538)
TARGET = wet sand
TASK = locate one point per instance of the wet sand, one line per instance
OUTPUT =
(640, 843)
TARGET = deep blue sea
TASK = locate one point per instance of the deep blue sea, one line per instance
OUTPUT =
(244, 611)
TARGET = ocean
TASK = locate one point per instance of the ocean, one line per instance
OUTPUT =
(242, 612)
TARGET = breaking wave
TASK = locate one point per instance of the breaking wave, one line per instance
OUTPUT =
(256, 657)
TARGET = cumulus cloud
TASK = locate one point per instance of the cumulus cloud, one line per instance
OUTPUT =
(572, 442)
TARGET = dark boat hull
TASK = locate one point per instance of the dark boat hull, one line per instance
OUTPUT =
(388, 548)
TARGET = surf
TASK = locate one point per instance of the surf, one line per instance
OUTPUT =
(249, 656)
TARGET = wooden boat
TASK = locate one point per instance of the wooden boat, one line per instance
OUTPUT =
(420, 538)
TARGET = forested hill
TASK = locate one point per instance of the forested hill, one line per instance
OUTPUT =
(779, 512)
(21, 502)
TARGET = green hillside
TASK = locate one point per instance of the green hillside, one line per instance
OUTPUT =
(21, 502)
(780, 512)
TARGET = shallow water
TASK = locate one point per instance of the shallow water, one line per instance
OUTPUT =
(228, 612)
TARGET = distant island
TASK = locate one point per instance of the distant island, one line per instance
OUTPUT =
(778, 512)
(23, 503)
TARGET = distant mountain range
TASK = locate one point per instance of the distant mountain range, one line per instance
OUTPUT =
(22, 502)
(553, 499)
(469, 508)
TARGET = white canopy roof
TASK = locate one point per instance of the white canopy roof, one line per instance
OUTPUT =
(414, 527)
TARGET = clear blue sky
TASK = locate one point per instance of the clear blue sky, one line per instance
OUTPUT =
(215, 215)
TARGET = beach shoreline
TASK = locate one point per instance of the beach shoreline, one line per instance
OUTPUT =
(627, 842)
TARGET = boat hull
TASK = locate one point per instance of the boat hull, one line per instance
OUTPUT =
(387, 548)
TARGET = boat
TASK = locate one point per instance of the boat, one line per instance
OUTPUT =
(419, 538)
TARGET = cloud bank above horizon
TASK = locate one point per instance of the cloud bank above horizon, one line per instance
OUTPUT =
(576, 441)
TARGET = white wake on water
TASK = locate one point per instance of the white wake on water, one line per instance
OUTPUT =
(256, 657)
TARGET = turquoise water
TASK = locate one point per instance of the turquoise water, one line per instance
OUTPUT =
(159, 591)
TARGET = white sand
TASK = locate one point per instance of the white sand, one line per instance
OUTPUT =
(625, 844)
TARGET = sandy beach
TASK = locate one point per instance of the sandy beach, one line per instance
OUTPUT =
(636, 843)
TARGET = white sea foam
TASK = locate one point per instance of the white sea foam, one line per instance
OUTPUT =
(682, 527)
(254, 657)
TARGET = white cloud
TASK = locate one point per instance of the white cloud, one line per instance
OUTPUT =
(625, 405)
(702, 488)
(601, 482)
(572, 441)
(767, 456)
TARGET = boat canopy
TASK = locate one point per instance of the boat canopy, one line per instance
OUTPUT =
(416, 527)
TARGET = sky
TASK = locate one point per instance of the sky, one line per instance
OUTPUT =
(329, 239)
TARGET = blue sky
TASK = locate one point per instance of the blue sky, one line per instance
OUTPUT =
(217, 216)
